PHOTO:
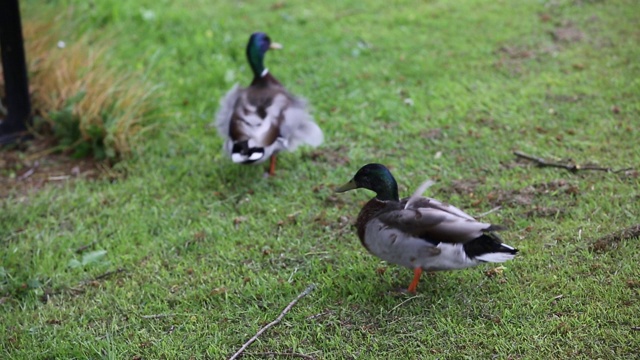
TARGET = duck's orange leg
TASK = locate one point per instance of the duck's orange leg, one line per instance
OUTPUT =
(416, 278)
(272, 166)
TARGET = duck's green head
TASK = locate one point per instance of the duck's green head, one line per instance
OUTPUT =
(259, 44)
(377, 178)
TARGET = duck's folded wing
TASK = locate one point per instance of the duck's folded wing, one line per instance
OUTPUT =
(434, 224)
(427, 202)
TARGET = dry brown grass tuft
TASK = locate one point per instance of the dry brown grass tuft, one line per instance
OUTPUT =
(109, 107)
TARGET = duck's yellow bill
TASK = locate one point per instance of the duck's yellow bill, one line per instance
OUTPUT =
(348, 186)
(275, 46)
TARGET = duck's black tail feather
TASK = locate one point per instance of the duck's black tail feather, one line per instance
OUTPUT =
(242, 153)
(488, 248)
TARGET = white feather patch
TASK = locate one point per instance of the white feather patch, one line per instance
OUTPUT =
(508, 247)
(496, 257)
(238, 158)
(451, 257)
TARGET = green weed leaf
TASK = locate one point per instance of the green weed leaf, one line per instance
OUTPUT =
(34, 283)
(93, 257)
(74, 263)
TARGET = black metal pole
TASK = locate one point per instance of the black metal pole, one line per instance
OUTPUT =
(14, 68)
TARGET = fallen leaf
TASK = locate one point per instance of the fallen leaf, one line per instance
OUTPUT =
(218, 290)
(238, 220)
(495, 271)
(278, 5)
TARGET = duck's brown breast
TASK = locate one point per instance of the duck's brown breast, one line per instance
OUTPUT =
(372, 208)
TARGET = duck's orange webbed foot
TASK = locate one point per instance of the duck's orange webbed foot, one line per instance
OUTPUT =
(416, 278)
(272, 165)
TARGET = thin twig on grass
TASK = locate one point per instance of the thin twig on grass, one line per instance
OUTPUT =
(271, 353)
(30, 171)
(316, 253)
(488, 212)
(557, 297)
(404, 302)
(157, 316)
(306, 292)
(574, 168)
(319, 315)
(85, 247)
(79, 289)
(108, 274)
(614, 238)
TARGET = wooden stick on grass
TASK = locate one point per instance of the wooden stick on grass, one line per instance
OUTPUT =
(306, 292)
(574, 168)
(85, 247)
(488, 212)
(30, 171)
(157, 316)
(108, 274)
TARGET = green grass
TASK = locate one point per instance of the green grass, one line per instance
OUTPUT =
(223, 250)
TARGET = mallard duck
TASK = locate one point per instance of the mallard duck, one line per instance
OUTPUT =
(263, 119)
(421, 233)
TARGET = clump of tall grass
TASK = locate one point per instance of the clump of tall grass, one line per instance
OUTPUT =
(87, 107)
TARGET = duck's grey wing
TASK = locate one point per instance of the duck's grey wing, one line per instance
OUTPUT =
(427, 202)
(298, 126)
(417, 201)
(434, 224)
(417, 195)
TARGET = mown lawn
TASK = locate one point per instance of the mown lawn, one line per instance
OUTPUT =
(445, 90)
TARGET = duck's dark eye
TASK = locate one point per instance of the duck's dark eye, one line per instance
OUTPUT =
(267, 39)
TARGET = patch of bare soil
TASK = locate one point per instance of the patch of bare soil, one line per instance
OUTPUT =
(611, 240)
(567, 33)
(466, 186)
(524, 196)
(527, 197)
(431, 134)
(330, 155)
(30, 167)
(562, 98)
(542, 211)
(513, 58)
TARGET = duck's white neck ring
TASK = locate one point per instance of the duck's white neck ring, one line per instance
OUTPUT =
(264, 72)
